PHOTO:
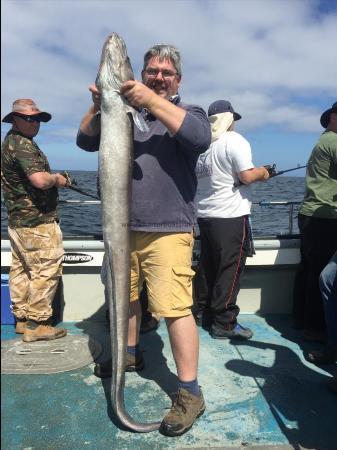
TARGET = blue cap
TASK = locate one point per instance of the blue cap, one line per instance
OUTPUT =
(222, 106)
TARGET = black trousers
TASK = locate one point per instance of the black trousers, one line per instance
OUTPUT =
(224, 246)
(318, 244)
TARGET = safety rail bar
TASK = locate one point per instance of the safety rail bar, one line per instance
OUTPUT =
(88, 202)
(291, 205)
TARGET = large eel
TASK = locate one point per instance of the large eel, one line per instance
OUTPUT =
(115, 172)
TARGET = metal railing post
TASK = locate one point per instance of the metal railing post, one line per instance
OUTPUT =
(291, 211)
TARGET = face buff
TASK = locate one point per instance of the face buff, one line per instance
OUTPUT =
(220, 123)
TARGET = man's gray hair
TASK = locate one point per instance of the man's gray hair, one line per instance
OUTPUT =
(164, 51)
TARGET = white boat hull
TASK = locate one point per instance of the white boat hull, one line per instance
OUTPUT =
(266, 286)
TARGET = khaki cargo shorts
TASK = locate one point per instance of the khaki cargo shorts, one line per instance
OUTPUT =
(163, 260)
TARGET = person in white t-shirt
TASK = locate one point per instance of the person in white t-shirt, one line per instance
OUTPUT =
(225, 172)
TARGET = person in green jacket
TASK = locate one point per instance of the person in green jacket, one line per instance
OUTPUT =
(317, 220)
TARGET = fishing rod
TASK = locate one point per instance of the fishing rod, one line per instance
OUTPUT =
(73, 186)
(280, 172)
(80, 191)
(273, 172)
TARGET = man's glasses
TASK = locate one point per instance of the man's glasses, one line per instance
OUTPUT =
(153, 73)
(29, 119)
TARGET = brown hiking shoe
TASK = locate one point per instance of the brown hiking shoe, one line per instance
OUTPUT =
(326, 356)
(20, 326)
(35, 331)
(186, 407)
(132, 364)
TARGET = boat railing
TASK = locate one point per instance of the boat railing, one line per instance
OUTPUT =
(88, 202)
(262, 203)
(290, 204)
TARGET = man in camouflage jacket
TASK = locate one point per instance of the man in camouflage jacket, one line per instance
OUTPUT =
(31, 197)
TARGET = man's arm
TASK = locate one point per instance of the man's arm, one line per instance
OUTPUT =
(169, 114)
(139, 95)
(194, 134)
(189, 126)
(31, 163)
(88, 136)
(241, 157)
(252, 175)
(46, 180)
(90, 124)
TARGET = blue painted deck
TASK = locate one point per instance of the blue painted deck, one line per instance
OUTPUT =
(261, 393)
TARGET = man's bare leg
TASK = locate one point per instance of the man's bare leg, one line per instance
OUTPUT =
(184, 339)
(189, 403)
(104, 369)
(135, 314)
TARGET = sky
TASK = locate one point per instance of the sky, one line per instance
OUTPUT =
(275, 61)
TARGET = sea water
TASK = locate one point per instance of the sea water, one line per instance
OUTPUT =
(85, 219)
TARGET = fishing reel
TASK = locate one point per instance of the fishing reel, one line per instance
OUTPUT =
(70, 180)
(271, 170)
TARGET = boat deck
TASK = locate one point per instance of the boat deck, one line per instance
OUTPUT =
(259, 393)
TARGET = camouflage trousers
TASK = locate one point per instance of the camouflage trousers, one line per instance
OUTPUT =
(35, 270)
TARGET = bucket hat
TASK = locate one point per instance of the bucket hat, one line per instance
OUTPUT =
(26, 107)
(325, 117)
(222, 106)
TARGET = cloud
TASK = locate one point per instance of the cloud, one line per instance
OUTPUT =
(271, 58)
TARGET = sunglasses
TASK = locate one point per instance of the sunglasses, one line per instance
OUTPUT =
(29, 119)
